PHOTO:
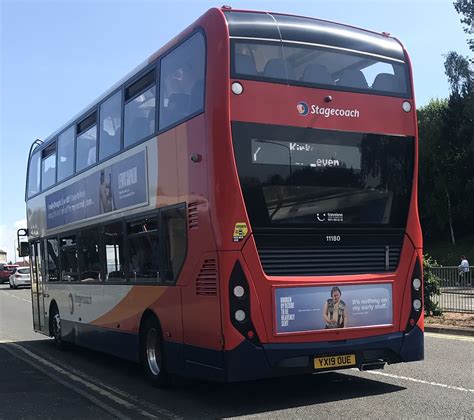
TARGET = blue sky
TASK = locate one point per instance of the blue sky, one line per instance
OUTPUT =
(57, 56)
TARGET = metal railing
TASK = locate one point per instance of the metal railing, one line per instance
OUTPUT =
(457, 289)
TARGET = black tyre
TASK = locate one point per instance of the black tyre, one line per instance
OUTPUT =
(152, 355)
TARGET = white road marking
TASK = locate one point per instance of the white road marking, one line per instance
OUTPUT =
(96, 381)
(16, 297)
(420, 381)
(92, 387)
(450, 336)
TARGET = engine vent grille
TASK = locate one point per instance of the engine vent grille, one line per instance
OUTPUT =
(193, 216)
(312, 253)
(320, 261)
(206, 281)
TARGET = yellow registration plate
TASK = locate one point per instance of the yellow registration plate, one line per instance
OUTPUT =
(329, 362)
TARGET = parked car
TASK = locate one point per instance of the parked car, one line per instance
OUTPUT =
(6, 271)
(21, 277)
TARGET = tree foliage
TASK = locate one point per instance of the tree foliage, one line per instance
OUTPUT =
(466, 9)
(446, 131)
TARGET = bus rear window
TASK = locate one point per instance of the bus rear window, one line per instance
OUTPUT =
(322, 67)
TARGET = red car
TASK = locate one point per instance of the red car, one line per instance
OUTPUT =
(6, 270)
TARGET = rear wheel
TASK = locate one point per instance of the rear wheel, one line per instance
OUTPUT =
(152, 355)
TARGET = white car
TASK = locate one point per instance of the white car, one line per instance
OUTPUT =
(20, 277)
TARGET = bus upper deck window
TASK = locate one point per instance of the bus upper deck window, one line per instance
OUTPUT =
(48, 166)
(110, 126)
(86, 142)
(182, 81)
(140, 108)
(66, 154)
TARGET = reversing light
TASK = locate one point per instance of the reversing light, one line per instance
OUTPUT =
(237, 88)
(406, 106)
(239, 291)
(416, 283)
(240, 315)
(417, 304)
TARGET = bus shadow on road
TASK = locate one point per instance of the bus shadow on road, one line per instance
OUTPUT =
(244, 398)
(186, 397)
(283, 393)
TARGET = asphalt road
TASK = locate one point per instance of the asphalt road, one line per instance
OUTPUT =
(38, 381)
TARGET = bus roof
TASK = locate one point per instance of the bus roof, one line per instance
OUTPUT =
(268, 25)
(313, 31)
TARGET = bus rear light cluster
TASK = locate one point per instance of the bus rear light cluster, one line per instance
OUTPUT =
(416, 297)
(239, 299)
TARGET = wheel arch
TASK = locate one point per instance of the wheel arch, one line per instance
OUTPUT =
(148, 314)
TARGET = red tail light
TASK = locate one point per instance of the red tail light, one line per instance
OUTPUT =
(17, 275)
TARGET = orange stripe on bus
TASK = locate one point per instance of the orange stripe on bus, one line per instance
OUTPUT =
(135, 302)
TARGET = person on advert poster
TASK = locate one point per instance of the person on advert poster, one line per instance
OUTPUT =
(335, 313)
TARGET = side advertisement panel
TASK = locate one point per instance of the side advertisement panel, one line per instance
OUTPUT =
(114, 187)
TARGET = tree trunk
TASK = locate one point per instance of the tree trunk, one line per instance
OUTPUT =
(450, 219)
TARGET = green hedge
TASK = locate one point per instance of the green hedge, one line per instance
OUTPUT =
(431, 286)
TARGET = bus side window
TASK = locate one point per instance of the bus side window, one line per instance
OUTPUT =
(142, 245)
(69, 260)
(89, 257)
(52, 264)
(182, 81)
(175, 238)
(113, 252)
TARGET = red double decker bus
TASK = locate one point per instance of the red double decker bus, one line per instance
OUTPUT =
(243, 205)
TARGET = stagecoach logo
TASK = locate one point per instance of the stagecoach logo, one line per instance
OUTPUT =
(302, 108)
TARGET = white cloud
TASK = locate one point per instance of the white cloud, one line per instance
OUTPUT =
(8, 238)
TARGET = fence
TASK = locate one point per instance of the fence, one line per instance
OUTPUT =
(457, 289)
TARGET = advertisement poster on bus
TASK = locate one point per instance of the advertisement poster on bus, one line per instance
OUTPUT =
(300, 309)
(115, 187)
